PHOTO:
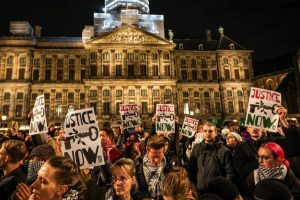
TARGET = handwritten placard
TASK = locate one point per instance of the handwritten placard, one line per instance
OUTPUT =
(165, 118)
(262, 109)
(189, 127)
(38, 122)
(82, 143)
(130, 115)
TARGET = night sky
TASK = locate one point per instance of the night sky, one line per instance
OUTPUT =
(269, 27)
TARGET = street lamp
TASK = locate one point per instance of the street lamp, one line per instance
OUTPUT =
(4, 117)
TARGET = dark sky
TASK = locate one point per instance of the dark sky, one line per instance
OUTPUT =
(269, 27)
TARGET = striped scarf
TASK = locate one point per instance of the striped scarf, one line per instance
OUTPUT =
(275, 173)
(153, 175)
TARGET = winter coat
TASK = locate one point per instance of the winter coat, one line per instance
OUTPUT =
(209, 160)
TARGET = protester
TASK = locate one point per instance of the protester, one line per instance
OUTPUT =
(270, 189)
(176, 186)
(224, 188)
(152, 168)
(59, 179)
(124, 183)
(232, 139)
(272, 164)
(38, 156)
(118, 138)
(210, 159)
(244, 156)
(11, 154)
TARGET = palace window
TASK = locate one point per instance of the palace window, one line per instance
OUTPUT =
(144, 93)
(119, 93)
(155, 70)
(106, 93)
(106, 70)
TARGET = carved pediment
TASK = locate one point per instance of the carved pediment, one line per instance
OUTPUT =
(128, 35)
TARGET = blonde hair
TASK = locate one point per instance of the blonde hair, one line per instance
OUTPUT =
(177, 185)
(128, 167)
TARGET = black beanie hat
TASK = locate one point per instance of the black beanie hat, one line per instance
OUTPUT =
(271, 189)
(223, 188)
(44, 152)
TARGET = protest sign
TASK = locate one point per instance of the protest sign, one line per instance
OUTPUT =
(130, 115)
(38, 122)
(165, 118)
(262, 109)
(189, 127)
(82, 143)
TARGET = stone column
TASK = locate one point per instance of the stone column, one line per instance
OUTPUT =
(99, 102)
(112, 65)
(124, 65)
(52, 104)
(77, 99)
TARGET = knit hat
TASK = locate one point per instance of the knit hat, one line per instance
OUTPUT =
(237, 136)
(271, 189)
(225, 131)
(223, 188)
(44, 152)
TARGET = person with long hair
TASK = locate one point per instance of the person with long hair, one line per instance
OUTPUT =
(124, 183)
(273, 165)
(176, 186)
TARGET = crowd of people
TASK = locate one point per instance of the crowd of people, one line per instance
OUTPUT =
(229, 162)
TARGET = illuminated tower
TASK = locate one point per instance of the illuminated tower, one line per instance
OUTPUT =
(116, 5)
(122, 12)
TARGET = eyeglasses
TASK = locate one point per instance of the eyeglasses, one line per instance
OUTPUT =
(122, 179)
(263, 157)
(209, 131)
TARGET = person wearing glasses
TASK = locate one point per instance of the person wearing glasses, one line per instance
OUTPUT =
(124, 183)
(210, 159)
(244, 156)
(272, 165)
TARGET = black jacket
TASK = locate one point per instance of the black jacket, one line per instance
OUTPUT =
(209, 160)
(9, 182)
(143, 185)
(290, 181)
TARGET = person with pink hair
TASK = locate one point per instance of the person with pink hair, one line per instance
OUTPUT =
(273, 165)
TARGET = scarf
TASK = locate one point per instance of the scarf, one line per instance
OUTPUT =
(71, 195)
(274, 173)
(153, 175)
(33, 168)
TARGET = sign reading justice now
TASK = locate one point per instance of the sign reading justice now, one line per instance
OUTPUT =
(262, 109)
(82, 143)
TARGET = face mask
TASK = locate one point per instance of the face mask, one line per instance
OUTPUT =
(33, 168)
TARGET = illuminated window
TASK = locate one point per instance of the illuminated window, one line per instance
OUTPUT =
(119, 93)
(59, 110)
(143, 56)
(180, 46)
(22, 61)
(130, 56)
(105, 56)
(200, 46)
(131, 93)
(118, 56)
(144, 93)
(106, 93)
(10, 60)
(93, 93)
(186, 109)
(36, 62)
(155, 93)
(235, 61)
(168, 93)
(225, 61)
(93, 55)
